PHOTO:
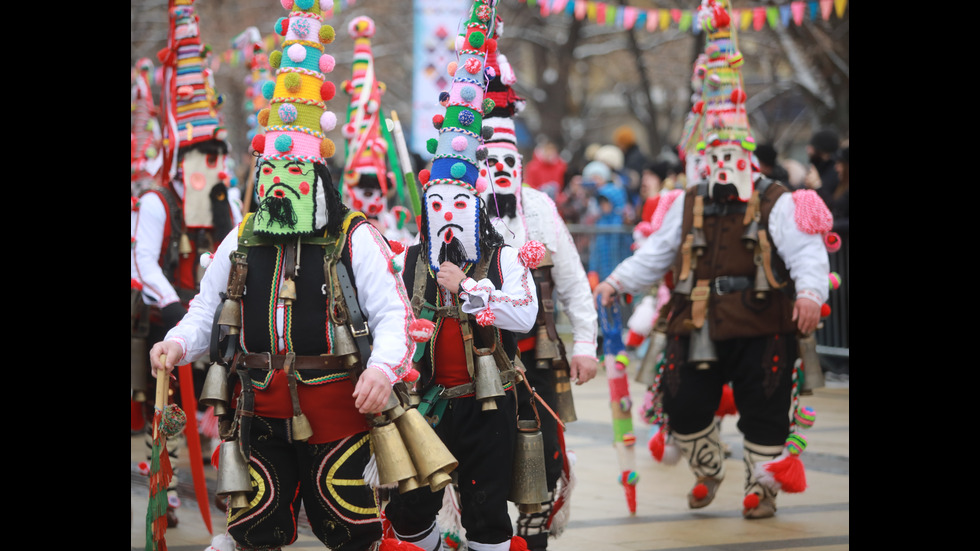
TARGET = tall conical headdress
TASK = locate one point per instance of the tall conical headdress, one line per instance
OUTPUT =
(296, 122)
(725, 135)
(459, 148)
(367, 149)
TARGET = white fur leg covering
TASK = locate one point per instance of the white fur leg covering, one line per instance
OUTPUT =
(429, 539)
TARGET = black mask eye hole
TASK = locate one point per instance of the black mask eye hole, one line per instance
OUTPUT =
(728, 157)
(212, 160)
(714, 158)
(510, 160)
(491, 161)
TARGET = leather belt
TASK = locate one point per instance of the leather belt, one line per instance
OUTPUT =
(506, 377)
(729, 284)
(275, 361)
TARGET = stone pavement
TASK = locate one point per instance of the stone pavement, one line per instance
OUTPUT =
(817, 519)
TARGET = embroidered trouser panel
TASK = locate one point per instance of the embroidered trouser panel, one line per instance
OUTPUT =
(325, 479)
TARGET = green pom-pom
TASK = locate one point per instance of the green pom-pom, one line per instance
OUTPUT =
(476, 39)
(291, 81)
(488, 105)
(748, 143)
(151, 152)
(327, 34)
(701, 146)
(431, 145)
(458, 170)
(275, 58)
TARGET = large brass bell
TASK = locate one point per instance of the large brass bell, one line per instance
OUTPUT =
(343, 341)
(812, 371)
(302, 430)
(702, 348)
(432, 459)
(564, 402)
(233, 477)
(394, 462)
(487, 379)
(215, 391)
(761, 286)
(751, 236)
(545, 348)
(529, 486)
(647, 373)
(231, 315)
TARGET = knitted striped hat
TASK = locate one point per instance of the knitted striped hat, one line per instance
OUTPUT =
(145, 158)
(459, 150)
(196, 111)
(367, 150)
(297, 117)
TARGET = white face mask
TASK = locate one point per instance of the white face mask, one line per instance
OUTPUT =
(452, 215)
(201, 173)
(504, 171)
(729, 168)
(368, 200)
(694, 168)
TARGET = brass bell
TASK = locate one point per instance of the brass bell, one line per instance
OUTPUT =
(812, 371)
(761, 282)
(185, 245)
(139, 368)
(545, 348)
(702, 348)
(302, 430)
(647, 373)
(231, 315)
(288, 290)
(564, 402)
(394, 462)
(233, 476)
(215, 391)
(487, 379)
(432, 459)
(343, 341)
(751, 235)
(529, 485)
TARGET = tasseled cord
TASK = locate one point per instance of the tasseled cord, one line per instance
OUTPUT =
(448, 521)
(786, 472)
(221, 542)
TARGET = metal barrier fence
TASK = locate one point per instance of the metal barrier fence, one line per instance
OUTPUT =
(832, 338)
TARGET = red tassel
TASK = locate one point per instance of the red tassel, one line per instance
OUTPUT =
(727, 404)
(656, 445)
(789, 472)
(517, 543)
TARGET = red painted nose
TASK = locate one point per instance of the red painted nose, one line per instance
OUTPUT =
(449, 216)
(499, 166)
(275, 180)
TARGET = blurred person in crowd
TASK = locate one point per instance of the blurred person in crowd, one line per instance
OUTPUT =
(546, 171)
(821, 174)
(769, 165)
(634, 160)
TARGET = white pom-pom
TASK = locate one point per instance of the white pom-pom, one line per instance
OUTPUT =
(672, 454)
(296, 52)
(328, 121)
(206, 259)
(222, 542)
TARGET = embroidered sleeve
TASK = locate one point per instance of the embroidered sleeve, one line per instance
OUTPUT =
(514, 306)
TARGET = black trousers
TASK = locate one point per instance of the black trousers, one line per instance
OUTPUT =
(326, 479)
(483, 443)
(760, 370)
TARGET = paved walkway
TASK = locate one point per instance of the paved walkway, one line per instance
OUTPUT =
(818, 519)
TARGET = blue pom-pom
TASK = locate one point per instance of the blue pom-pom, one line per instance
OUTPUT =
(283, 143)
(458, 170)
(278, 26)
(304, 5)
(268, 89)
(467, 93)
(466, 117)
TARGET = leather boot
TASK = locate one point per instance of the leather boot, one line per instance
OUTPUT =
(760, 499)
(706, 458)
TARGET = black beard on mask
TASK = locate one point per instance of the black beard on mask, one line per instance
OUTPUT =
(502, 204)
(724, 193)
(453, 252)
(280, 211)
(220, 211)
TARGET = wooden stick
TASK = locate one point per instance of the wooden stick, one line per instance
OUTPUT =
(163, 389)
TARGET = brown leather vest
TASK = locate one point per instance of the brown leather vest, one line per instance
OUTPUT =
(740, 313)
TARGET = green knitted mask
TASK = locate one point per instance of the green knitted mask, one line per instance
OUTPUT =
(291, 199)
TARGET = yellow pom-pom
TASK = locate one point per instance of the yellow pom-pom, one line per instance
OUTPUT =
(327, 148)
(263, 117)
(327, 34)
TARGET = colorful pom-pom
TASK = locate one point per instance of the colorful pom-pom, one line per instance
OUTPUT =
(144, 468)
(486, 132)
(835, 280)
(327, 34)
(283, 143)
(748, 143)
(431, 145)
(458, 170)
(258, 143)
(173, 421)
(805, 417)
(275, 59)
(327, 63)
(327, 148)
(301, 27)
(328, 121)
(420, 330)
(481, 184)
(424, 176)
(736, 60)
(467, 93)
(629, 478)
(698, 107)
(281, 26)
(795, 443)
(485, 317)
(481, 153)
(451, 68)
(466, 117)
(629, 439)
(531, 253)
(700, 491)
(831, 240)
(459, 143)
(206, 259)
(287, 4)
(287, 112)
(327, 90)
(738, 96)
(304, 5)
(488, 105)
(476, 39)
(751, 501)
(656, 445)
(491, 45)
(296, 52)
(824, 310)
(473, 66)
(411, 375)
(443, 98)
(268, 89)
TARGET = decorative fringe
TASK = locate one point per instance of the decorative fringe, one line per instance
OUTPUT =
(221, 542)
(785, 473)
(561, 510)
(371, 476)
(656, 446)
(161, 472)
(208, 424)
(448, 521)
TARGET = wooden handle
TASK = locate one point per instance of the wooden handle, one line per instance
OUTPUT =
(163, 389)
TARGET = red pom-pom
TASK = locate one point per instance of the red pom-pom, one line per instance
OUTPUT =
(751, 501)
(824, 310)
(420, 330)
(424, 176)
(485, 317)
(832, 241)
(396, 247)
(698, 107)
(491, 45)
(258, 143)
(789, 472)
(656, 445)
(738, 96)
(437, 121)
(518, 543)
(700, 491)
(727, 404)
(531, 254)
(634, 339)
(327, 91)
(411, 376)
(135, 284)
